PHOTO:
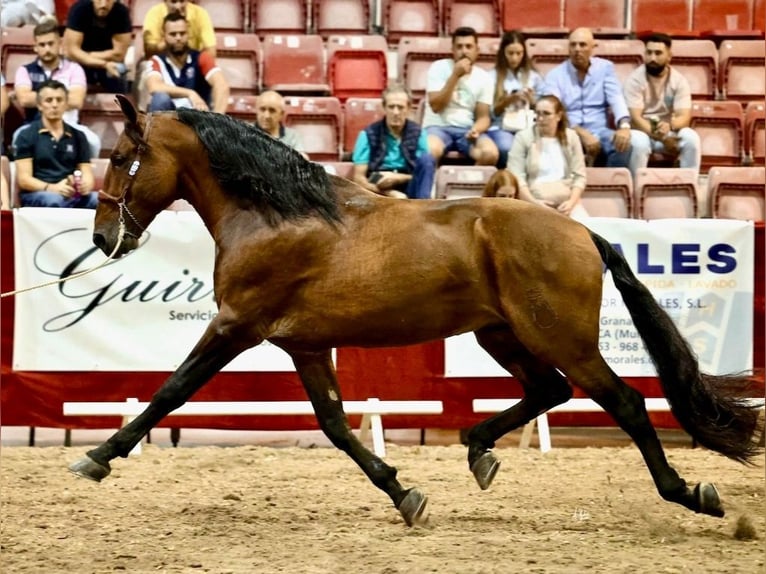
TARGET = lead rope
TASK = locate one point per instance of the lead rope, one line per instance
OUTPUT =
(120, 235)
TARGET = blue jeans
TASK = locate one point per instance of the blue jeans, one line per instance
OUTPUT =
(161, 102)
(503, 140)
(419, 187)
(53, 199)
(609, 156)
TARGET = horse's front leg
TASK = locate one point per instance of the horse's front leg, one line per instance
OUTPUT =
(318, 376)
(215, 349)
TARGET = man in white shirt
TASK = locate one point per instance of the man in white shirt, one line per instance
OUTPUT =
(660, 104)
(458, 99)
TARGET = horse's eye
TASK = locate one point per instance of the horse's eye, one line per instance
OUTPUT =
(117, 159)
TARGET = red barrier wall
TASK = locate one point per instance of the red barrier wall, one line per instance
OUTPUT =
(406, 373)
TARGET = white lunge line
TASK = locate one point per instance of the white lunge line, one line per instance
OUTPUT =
(372, 409)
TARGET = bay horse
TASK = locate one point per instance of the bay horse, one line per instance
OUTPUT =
(310, 262)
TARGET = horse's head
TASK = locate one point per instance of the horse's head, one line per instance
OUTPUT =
(136, 187)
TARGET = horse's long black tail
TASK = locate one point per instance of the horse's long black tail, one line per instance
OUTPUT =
(710, 408)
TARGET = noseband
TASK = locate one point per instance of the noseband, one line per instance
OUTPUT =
(121, 201)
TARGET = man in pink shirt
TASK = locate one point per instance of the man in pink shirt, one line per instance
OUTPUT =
(50, 65)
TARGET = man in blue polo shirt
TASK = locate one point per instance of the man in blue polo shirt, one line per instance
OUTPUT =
(49, 152)
(391, 155)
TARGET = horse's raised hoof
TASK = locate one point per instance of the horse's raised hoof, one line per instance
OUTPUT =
(484, 469)
(708, 499)
(88, 468)
(413, 508)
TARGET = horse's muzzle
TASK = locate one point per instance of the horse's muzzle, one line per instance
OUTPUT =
(107, 245)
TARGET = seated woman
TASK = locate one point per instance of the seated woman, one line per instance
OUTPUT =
(502, 184)
(548, 161)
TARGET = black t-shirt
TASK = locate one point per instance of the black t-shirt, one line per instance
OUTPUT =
(52, 160)
(97, 33)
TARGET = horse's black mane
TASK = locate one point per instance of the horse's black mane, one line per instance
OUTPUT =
(253, 166)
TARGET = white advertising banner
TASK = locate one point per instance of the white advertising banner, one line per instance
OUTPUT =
(144, 312)
(699, 270)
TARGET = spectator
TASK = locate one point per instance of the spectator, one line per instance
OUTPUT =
(201, 32)
(458, 100)
(548, 162)
(391, 155)
(97, 37)
(589, 88)
(17, 13)
(517, 85)
(502, 184)
(182, 77)
(50, 65)
(660, 104)
(49, 152)
(269, 113)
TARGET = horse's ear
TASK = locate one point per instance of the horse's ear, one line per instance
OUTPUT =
(128, 109)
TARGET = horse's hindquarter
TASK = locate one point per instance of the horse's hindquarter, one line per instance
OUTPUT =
(394, 272)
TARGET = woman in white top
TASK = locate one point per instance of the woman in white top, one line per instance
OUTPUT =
(516, 87)
(548, 161)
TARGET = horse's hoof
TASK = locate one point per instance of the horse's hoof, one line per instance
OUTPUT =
(413, 508)
(484, 469)
(88, 468)
(708, 499)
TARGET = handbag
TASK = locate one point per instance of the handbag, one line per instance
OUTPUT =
(516, 119)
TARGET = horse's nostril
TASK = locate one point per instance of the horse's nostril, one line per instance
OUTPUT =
(100, 241)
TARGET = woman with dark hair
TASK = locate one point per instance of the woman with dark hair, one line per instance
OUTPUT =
(548, 161)
(517, 85)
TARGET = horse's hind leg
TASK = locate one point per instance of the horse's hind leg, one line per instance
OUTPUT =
(626, 405)
(544, 388)
(318, 376)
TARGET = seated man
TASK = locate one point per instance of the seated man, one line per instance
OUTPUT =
(269, 113)
(589, 89)
(49, 152)
(182, 77)
(49, 65)
(458, 99)
(391, 155)
(201, 32)
(660, 103)
(97, 37)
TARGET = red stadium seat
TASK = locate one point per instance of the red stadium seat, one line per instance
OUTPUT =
(295, 64)
(608, 192)
(238, 55)
(138, 10)
(411, 18)
(226, 15)
(481, 15)
(534, 17)
(459, 181)
(17, 50)
(742, 69)
(755, 133)
(341, 17)
(278, 17)
(340, 168)
(666, 193)
(759, 15)
(415, 57)
(357, 66)
(102, 114)
(673, 17)
(242, 107)
(724, 18)
(720, 126)
(547, 53)
(603, 17)
(737, 192)
(697, 60)
(319, 121)
(358, 113)
(626, 55)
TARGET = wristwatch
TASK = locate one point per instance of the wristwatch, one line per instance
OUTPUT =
(624, 125)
